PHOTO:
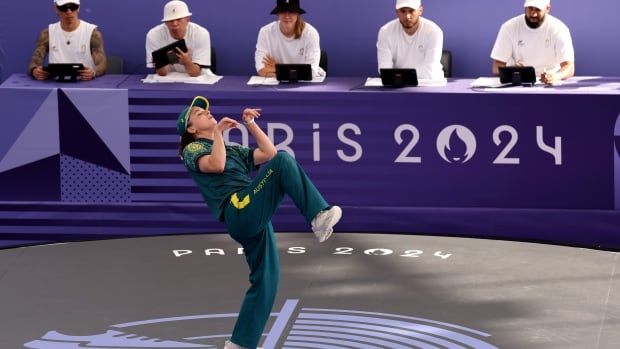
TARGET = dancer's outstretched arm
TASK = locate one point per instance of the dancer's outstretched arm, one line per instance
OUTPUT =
(266, 150)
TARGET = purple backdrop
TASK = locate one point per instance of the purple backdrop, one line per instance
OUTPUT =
(348, 29)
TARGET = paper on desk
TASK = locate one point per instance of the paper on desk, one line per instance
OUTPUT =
(207, 78)
(432, 82)
(259, 80)
(490, 82)
(373, 82)
(376, 82)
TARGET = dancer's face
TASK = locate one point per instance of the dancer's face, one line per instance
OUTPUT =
(200, 120)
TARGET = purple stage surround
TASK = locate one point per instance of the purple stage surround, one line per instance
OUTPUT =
(533, 164)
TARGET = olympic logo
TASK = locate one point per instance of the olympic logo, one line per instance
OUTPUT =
(456, 144)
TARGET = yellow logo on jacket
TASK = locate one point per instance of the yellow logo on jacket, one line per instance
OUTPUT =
(239, 204)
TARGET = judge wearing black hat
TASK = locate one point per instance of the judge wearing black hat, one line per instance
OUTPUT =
(289, 40)
(287, 6)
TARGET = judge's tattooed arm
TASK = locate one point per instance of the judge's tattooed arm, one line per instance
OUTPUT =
(98, 53)
(35, 68)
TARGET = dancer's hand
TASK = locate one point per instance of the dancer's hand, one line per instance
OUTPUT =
(226, 123)
(249, 114)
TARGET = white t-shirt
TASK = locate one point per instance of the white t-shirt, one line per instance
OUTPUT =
(196, 38)
(71, 47)
(305, 50)
(421, 51)
(543, 48)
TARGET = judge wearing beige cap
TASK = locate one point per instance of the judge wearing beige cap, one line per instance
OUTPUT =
(176, 26)
(536, 39)
(411, 41)
(70, 40)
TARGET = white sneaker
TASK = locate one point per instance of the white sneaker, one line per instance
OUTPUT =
(324, 221)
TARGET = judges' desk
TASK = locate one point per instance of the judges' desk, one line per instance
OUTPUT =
(533, 163)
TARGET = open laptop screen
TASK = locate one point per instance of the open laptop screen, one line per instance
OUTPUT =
(399, 77)
(293, 72)
(64, 72)
(517, 75)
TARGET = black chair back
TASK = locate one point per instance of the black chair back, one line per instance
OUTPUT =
(213, 61)
(446, 62)
(323, 60)
(115, 65)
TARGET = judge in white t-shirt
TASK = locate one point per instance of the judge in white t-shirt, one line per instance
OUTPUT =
(176, 26)
(536, 39)
(70, 40)
(411, 41)
(289, 40)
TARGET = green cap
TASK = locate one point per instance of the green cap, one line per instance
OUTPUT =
(198, 101)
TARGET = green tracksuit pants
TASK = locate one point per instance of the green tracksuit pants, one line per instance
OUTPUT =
(248, 218)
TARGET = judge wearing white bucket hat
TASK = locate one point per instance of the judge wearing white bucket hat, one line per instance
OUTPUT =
(176, 26)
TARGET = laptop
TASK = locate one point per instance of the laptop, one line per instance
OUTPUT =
(293, 72)
(168, 54)
(517, 76)
(64, 72)
(399, 77)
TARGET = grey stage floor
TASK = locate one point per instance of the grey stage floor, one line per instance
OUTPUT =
(355, 291)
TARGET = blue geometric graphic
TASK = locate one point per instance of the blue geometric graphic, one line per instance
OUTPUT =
(311, 328)
(316, 327)
(617, 163)
(82, 181)
(107, 113)
(55, 127)
(108, 340)
(79, 140)
(40, 181)
(39, 139)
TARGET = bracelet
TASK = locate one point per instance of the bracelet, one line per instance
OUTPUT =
(248, 123)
